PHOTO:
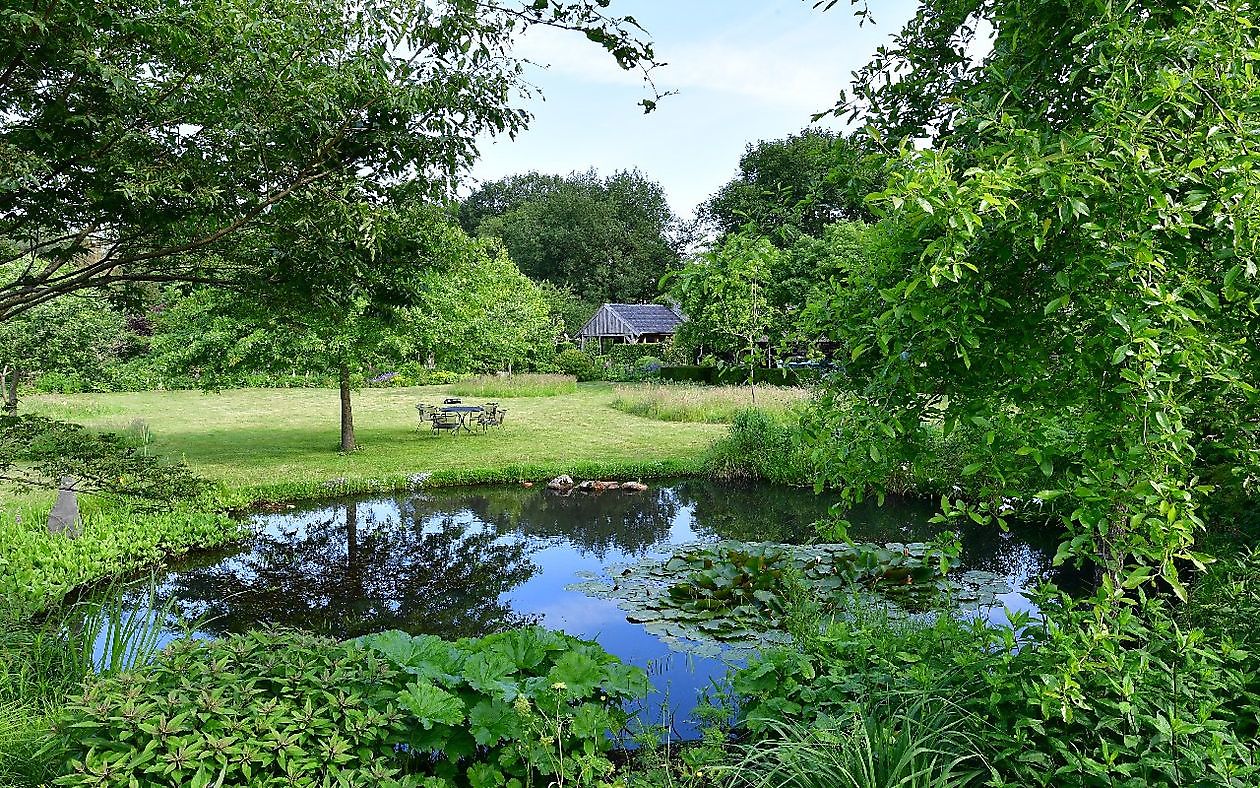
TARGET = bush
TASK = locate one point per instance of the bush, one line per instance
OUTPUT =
(629, 355)
(572, 361)
(389, 709)
(1089, 696)
(690, 374)
(506, 386)
(762, 445)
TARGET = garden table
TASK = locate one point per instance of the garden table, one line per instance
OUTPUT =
(462, 412)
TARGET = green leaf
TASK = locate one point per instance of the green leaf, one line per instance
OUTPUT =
(491, 721)
(431, 705)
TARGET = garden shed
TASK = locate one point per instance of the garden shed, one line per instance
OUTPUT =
(630, 323)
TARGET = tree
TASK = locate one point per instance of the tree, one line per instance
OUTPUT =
(606, 239)
(796, 185)
(139, 138)
(1072, 269)
(723, 295)
(479, 313)
(75, 335)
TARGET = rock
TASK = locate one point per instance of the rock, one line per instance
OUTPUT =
(64, 517)
(561, 483)
(586, 486)
(527, 484)
(634, 486)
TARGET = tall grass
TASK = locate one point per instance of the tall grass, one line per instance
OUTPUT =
(924, 744)
(506, 386)
(41, 663)
(705, 404)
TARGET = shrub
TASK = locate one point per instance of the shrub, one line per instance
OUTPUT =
(689, 374)
(505, 386)
(389, 709)
(762, 445)
(629, 355)
(582, 366)
(736, 376)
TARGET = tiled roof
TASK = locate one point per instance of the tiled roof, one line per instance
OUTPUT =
(647, 318)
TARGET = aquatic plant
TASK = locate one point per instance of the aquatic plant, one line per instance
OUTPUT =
(737, 596)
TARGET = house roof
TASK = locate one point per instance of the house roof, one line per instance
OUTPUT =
(638, 319)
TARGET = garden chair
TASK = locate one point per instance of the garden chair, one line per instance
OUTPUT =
(425, 411)
(444, 421)
(490, 417)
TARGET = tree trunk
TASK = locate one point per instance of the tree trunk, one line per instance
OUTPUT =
(347, 415)
(11, 391)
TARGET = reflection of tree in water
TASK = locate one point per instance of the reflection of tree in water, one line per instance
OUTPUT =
(753, 512)
(348, 571)
(629, 522)
(757, 512)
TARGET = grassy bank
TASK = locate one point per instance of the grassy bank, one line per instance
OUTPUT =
(281, 444)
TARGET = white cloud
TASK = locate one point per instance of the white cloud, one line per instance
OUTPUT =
(796, 72)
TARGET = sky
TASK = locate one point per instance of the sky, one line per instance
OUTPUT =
(745, 70)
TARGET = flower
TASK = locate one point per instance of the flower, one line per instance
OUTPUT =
(559, 686)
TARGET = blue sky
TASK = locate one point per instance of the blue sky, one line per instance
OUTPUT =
(745, 70)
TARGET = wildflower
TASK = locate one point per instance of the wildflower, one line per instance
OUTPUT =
(559, 686)
(521, 704)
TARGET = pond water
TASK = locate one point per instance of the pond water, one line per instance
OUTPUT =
(469, 561)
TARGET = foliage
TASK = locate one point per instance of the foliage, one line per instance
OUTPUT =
(390, 708)
(476, 312)
(38, 568)
(150, 142)
(39, 452)
(1074, 270)
(601, 239)
(709, 404)
(567, 307)
(796, 186)
(1145, 702)
(916, 744)
(582, 366)
(75, 337)
(762, 445)
(743, 594)
(515, 386)
(513, 704)
(723, 295)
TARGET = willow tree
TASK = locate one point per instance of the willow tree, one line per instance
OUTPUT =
(1068, 269)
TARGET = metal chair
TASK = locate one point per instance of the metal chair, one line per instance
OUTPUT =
(444, 421)
(491, 418)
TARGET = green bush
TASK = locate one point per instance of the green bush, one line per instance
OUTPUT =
(582, 366)
(1128, 697)
(629, 355)
(762, 445)
(735, 376)
(691, 374)
(389, 709)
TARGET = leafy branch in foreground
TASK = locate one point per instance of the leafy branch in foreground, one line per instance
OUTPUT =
(39, 452)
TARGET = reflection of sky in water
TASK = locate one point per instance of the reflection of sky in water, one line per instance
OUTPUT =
(467, 561)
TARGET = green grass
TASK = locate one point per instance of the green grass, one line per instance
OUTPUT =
(281, 444)
(702, 404)
(491, 386)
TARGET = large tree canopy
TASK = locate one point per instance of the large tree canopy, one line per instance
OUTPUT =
(1072, 267)
(606, 239)
(138, 137)
(796, 185)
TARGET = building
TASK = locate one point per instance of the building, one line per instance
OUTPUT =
(630, 323)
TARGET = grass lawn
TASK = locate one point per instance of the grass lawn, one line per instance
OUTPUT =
(282, 443)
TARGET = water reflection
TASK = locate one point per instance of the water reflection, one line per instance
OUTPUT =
(476, 560)
(361, 567)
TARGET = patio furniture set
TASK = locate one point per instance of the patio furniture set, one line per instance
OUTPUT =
(453, 416)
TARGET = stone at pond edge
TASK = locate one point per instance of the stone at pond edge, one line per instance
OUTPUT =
(561, 483)
(64, 517)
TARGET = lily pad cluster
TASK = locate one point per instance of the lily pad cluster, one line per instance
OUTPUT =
(735, 596)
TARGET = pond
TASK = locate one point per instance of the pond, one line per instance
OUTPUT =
(469, 561)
